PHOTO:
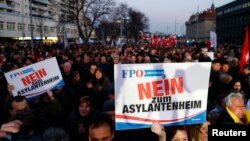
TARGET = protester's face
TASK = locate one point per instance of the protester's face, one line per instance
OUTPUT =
(238, 107)
(16, 56)
(203, 134)
(84, 109)
(78, 59)
(40, 59)
(64, 57)
(133, 59)
(181, 135)
(246, 71)
(97, 59)
(116, 60)
(128, 56)
(92, 69)
(28, 62)
(235, 62)
(77, 77)
(139, 58)
(86, 59)
(18, 107)
(225, 68)
(98, 74)
(103, 60)
(153, 52)
(147, 60)
(101, 133)
(204, 52)
(237, 86)
(66, 68)
(216, 66)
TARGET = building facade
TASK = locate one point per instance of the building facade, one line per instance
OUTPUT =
(199, 25)
(231, 21)
(15, 20)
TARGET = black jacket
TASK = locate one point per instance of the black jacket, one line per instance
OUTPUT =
(225, 118)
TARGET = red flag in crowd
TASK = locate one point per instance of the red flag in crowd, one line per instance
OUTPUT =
(163, 41)
(156, 40)
(245, 52)
(172, 40)
(159, 42)
(169, 40)
(175, 39)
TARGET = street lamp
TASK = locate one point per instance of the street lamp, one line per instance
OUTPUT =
(120, 22)
(123, 25)
(103, 40)
(175, 23)
(102, 23)
(22, 22)
(182, 30)
(197, 24)
(31, 26)
(167, 30)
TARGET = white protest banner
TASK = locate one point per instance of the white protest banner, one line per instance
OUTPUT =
(213, 39)
(35, 79)
(172, 93)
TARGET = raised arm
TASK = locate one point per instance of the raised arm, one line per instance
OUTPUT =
(159, 130)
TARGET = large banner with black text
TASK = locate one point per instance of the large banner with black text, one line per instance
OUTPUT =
(35, 79)
(172, 94)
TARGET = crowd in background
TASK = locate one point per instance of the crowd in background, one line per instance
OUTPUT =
(88, 73)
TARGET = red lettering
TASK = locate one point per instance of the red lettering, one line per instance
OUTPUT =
(166, 84)
(139, 73)
(37, 75)
(34, 77)
(144, 91)
(42, 72)
(26, 80)
(174, 85)
(156, 88)
(171, 86)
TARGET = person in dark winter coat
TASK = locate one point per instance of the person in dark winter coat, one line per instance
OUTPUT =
(100, 86)
(235, 110)
(78, 121)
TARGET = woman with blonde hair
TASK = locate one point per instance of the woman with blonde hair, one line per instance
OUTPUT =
(199, 132)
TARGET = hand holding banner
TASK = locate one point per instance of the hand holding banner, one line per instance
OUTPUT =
(173, 94)
(35, 79)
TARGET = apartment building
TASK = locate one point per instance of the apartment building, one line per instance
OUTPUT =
(15, 20)
(231, 20)
(199, 25)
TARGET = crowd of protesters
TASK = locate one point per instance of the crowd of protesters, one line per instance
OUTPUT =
(88, 73)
